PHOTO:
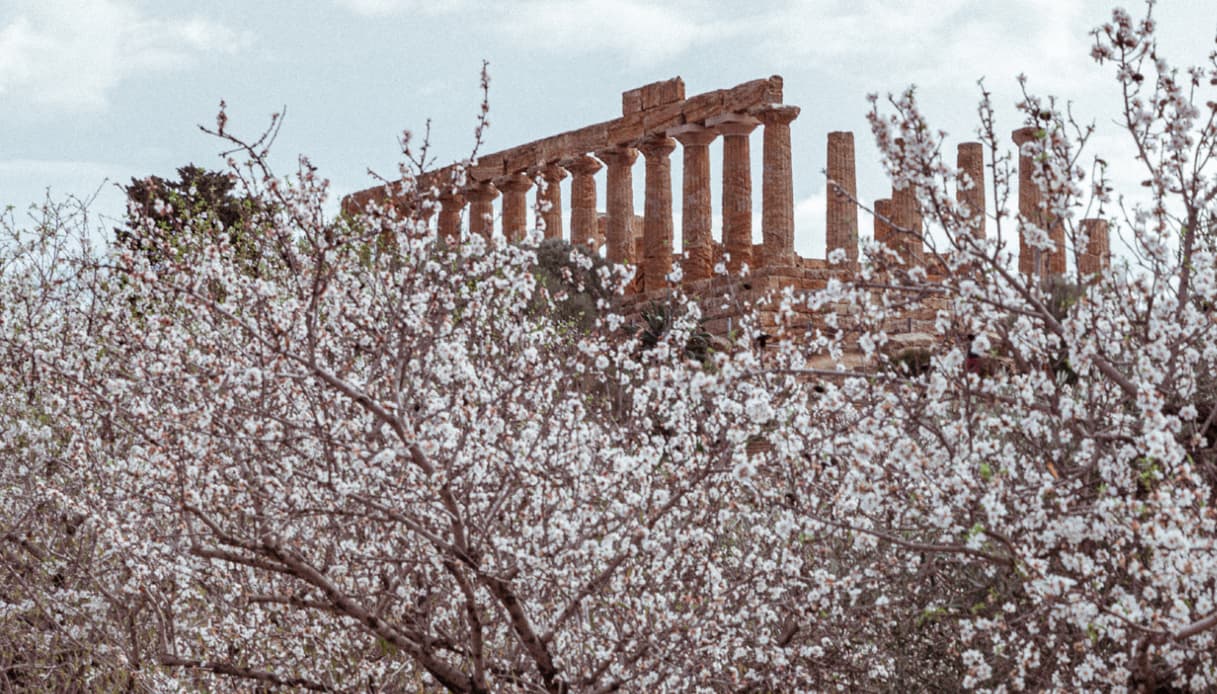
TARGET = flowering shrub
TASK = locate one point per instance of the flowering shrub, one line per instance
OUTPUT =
(375, 464)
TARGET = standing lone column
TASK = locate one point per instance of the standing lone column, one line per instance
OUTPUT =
(452, 204)
(737, 190)
(619, 231)
(1098, 247)
(841, 228)
(657, 213)
(1030, 198)
(515, 205)
(481, 208)
(883, 230)
(777, 187)
(906, 222)
(549, 200)
(583, 221)
(696, 219)
(970, 191)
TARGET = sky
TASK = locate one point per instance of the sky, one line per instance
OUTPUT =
(96, 92)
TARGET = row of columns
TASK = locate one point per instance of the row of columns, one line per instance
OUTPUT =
(903, 234)
(777, 202)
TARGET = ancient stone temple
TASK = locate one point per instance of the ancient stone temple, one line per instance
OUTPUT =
(659, 119)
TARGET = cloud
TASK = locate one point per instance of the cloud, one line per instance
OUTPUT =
(71, 54)
(640, 32)
(385, 8)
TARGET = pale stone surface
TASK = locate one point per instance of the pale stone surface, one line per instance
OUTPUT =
(970, 160)
(737, 190)
(481, 209)
(549, 200)
(620, 203)
(696, 211)
(657, 213)
(841, 228)
(452, 205)
(777, 186)
(584, 225)
(515, 205)
(1098, 247)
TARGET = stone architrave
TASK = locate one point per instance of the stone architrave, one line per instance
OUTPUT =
(883, 230)
(841, 228)
(970, 191)
(515, 205)
(737, 188)
(481, 208)
(584, 222)
(777, 186)
(452, 205)
(697, 214)
(657, 213)
(549, 200)
(619, 203)
(1030, 201)
(1098, 247)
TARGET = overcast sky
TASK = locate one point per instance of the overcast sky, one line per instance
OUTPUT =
(97, 90)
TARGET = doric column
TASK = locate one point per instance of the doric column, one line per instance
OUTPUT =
(452, 204)
(970, 192)
(1030, 199)
(481, 208)
(1098, 247)
(841, 228)
(549, 200)
(583, 220)
(696, 219)
(737, 189)
(883, 230)
(619, 228)
(515, 205)
(777, 187)
(906, 218)
(657, 213)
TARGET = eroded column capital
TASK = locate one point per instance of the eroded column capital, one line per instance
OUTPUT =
(692, 135)
(733, 124)
(779, 114)
(657, 147)
(583, 165)
(482, 191)
(1024, 135)
(618, 156)
(518, 182)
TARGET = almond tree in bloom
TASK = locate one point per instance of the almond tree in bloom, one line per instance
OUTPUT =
(383, 461)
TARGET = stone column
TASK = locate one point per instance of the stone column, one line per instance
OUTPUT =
(1098, 247)
(481, 208)
(584, 225)
(657, 213)
(515, 205)
(1038, 262)
(906, 216)
(549, 200)
(777, 187)
(619, 228)
(906, 222)
(697, 242)
(970, 160)
(452, 204)
(737, 190)
(841, 228)
(883, 230)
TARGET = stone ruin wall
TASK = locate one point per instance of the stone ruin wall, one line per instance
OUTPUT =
(656, 120)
